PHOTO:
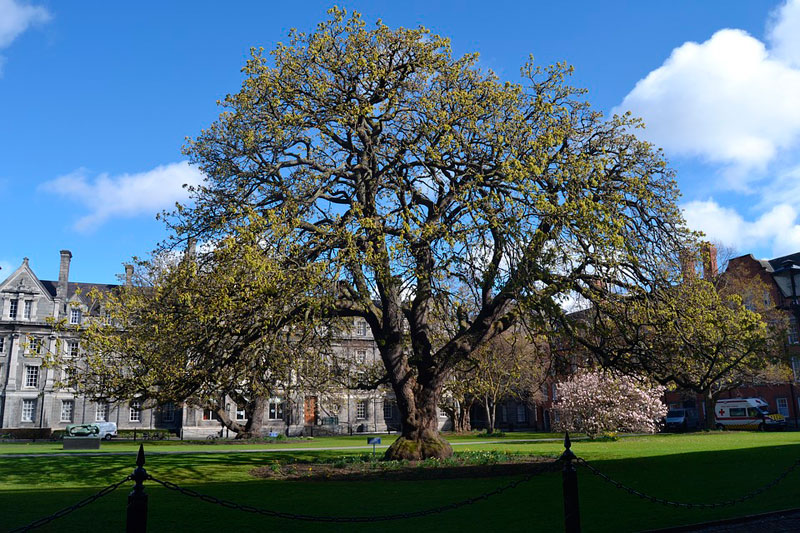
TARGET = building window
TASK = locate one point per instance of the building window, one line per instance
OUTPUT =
(2, 344)
(28, 410)
(240, 414)
(361, 356)
(135, 414)
(26, 311)
(69, 376)
(168, 412)
(73, 348)
(74, 316)
(388, 409)
(67, 408)
(783, 406)
(521, 414)
(361, 409)
(361, 328)
(12, 309)
(275, 409)
(792, 331)
(796, 368)
(101, 412)
(34, 345)
(31, 376)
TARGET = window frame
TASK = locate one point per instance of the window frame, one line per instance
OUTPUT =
(13, 308)
(101, 407)
(32, 375)
(785, 406)
(32, 411)
(135, 408)
(70, 412)
(275, 409)
(74, 316)
(27, 309)
(361, 409)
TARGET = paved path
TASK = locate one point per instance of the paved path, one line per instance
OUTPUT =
(270, 450)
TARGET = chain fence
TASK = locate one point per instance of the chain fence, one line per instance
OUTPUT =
(67, 510)
(137, 522)
(348, 519)
(687, 505)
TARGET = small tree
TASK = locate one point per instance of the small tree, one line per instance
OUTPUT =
(594, 402)
(201, 327)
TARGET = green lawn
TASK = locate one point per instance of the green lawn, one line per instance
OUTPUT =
(220, 445)
(704, 467)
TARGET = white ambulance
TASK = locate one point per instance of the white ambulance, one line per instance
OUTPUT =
(747, 413)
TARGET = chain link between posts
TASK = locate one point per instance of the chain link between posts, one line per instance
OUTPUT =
(347, 519)
(67, 510)
(686, 505)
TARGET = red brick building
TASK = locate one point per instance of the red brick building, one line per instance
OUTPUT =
(778, 282)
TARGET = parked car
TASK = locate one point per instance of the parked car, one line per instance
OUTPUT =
(747, 413)
(106, 430)
(682, 419)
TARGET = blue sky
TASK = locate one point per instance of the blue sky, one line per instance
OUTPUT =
(97, 98)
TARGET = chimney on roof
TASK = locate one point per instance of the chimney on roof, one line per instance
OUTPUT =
(63, 274)
(688, 264)
(709, 252)
(128, 275)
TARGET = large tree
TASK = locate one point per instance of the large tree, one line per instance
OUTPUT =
(416, 180)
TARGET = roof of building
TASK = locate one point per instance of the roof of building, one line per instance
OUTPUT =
(72, 287)
(775, 264)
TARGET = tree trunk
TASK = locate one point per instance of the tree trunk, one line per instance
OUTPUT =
(491, 414)
(254, 411)
(462, 414)
(709, 400)
(419, 439)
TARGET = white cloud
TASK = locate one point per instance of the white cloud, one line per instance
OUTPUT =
(126, 195)
(778, 229)
(784, 33)
(15, 18)
(728, 100)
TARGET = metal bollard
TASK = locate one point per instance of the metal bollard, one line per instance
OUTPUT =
(572, 513)
(137, 499)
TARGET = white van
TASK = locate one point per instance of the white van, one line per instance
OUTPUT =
(107, 430)
(747, 413)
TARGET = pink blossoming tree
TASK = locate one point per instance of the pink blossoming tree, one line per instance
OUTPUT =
(594, 402)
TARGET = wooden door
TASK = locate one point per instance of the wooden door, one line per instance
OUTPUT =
(310, 410)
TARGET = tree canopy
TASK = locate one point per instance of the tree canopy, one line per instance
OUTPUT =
(418, 184)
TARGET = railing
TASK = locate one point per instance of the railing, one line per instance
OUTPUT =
(136, 518)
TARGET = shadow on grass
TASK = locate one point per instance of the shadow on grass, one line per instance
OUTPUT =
(698, 477)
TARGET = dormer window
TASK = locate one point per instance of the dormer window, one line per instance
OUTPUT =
(26, 313)
(12, 309)
(74, 316)
(361, 328)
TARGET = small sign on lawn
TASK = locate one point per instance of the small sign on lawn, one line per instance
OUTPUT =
(374, 441)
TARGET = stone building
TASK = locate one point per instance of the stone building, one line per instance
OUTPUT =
(32, 395)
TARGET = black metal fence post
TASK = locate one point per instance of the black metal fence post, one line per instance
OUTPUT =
(137, 499)
(572, 513)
